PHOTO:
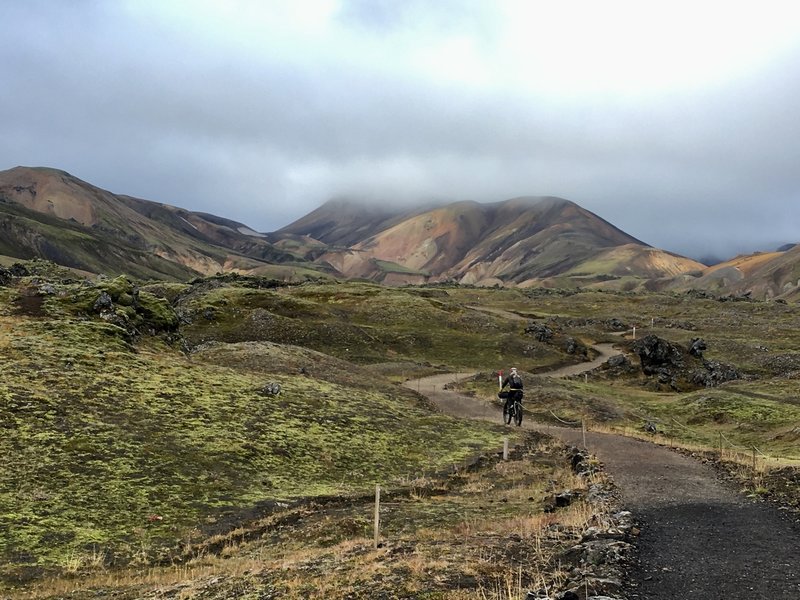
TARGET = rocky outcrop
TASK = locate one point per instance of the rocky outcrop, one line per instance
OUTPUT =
(551, 335)
(13, 272)
(697, 346)
(539, 331)
(572, 346)
(713, 373)
(120, 302)
(679, 368)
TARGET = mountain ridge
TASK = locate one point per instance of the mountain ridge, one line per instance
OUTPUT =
(525, 241)
(520, 240)
(179, 243)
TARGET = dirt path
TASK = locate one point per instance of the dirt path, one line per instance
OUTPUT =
(606, 351)
(700, 538)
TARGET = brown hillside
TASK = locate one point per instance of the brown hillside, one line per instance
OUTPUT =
(768, 275)
(58, 193)
(746, 264)
(433, 241)
(536, 237)
(51, 214)
(645, 261)
(760, 275)
(513, 242)
(343, 223)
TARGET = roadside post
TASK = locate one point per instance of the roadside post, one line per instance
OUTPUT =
(583, 431)
(377, 513)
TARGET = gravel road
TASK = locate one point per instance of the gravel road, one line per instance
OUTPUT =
(699, 538)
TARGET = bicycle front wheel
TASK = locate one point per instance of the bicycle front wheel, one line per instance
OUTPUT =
(518, 415)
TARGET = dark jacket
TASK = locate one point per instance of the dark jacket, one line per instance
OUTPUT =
(513, 381)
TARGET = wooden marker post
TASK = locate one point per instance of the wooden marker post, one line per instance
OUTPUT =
(583, 431)
(377, 514)
(505, 449)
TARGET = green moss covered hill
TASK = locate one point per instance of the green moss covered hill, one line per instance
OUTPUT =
(136, 417)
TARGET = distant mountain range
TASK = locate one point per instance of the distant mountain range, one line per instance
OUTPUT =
(529, 241)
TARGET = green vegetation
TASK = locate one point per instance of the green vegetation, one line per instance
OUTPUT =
(135, 418)
(364, 323)
(123, 443)
(392, 267)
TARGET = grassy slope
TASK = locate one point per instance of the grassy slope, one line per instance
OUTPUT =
(75, 246)
(759, 338)
(367, 323)
(105, 436)
(136, 448)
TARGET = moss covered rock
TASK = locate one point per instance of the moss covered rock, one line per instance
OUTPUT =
(121, 302)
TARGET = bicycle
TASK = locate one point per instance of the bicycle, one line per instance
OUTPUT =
(513, 411)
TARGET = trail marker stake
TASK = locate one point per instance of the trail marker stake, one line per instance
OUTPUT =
(377, 513)
(583, 431)
(505, 449)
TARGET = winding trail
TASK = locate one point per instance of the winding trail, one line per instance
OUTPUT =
(699, 538)
(605, 351)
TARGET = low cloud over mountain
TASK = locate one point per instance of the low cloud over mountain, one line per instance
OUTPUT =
(526, 241)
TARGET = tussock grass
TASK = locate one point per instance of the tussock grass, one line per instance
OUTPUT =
(483, 538)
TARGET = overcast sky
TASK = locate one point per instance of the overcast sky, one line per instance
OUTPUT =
(677, 121)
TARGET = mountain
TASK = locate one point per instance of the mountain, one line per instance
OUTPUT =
(526, 241)
(343, 222)
(760, 275)
(522, 241)
(50, 214)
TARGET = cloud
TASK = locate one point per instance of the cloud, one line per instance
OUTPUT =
(684, 133)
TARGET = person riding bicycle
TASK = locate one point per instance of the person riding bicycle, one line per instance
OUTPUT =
(514, 381)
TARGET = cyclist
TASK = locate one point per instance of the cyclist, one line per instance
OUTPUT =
(514, 381)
